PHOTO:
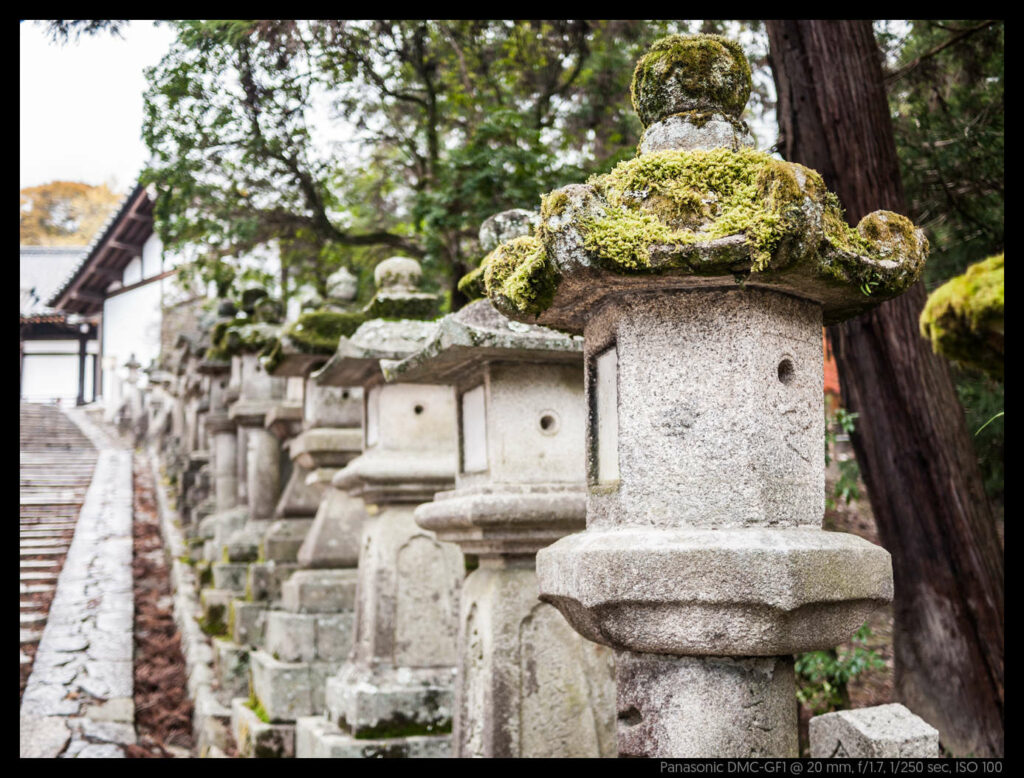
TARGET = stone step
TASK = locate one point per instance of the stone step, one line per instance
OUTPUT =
(52, 551)
(36, 588)
(30, 604)
(44, 530)
(41, 542)
(31, 618)
(318, 738)
(37, 563)
(37, 576)
(258, 740)
(31, 635)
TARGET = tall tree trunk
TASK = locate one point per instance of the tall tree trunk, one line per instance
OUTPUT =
(911, 441)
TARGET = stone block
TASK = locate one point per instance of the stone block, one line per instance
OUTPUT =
(257, 739)
(248, 622)
(320, 591)
(231, 666)
(379, 701)
(286, 690)
(215, 604)
(334, 634)
(266, 579)
(229, 575)
(318, 738)
(880, 732)
(284, 538)
(291, 637)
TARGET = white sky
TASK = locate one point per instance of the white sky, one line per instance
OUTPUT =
(81, 104)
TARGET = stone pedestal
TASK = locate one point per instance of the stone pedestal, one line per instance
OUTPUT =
(225, 468)
(700, 275)
(527, 685)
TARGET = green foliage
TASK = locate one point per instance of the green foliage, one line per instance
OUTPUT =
(982, 399)
(846, 488)
(449, 122)
(823, 676)
(946, 96)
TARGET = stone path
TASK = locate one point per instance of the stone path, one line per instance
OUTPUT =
(78, 700)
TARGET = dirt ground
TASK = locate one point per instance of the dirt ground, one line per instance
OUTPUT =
(163, 711)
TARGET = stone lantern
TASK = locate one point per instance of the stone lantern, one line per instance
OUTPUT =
(393, 696)
(700, 274)
(527, 686)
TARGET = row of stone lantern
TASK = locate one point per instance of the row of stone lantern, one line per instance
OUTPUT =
(682, 431)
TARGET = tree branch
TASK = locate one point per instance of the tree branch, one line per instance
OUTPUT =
(897, 74)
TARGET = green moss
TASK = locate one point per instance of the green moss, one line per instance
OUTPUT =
(213, 622)
(238, 336)
(424, 307)
(472, 562)
(256, 707)
(318, 332)
(964, 318)
(690, 72)
(250, 297)
(472, 284)
(186, 560)
(521, 272)
(272, 356)
(675, 197)
(205, 576)
(401, 726)
(553, 204)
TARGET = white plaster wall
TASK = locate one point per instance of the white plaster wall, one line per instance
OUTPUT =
(51, 346)
(152, 251)
(132, 272)
(47, 378)
(131, 325)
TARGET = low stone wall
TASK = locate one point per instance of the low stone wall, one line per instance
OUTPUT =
(211, 719)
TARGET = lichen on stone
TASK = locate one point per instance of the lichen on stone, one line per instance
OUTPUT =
(690, 72)
(520, 273)
(963, 318)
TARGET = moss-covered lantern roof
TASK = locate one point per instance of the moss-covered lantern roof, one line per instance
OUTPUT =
(699, 208)
(963, 318)
(398, 324)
